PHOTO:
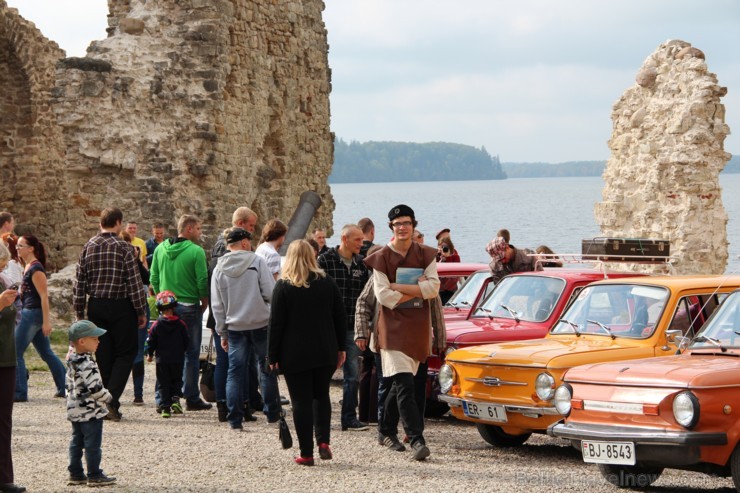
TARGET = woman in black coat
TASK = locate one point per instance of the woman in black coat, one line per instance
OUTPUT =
(306, 342)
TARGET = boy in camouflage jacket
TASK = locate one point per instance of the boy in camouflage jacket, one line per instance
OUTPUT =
(86, 397)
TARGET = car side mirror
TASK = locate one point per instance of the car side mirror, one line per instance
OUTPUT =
(673, 335)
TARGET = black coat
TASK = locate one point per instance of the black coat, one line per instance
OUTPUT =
(307, 325)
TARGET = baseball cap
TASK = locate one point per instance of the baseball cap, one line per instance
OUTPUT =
(84, 328)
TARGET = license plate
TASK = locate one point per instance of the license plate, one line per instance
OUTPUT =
(486, 412)
(608, 452)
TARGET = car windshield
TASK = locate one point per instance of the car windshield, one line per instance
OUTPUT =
(723, 327)
(618, 310)
(466, 294)
(531, 298)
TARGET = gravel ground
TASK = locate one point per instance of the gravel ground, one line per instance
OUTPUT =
(195, 452)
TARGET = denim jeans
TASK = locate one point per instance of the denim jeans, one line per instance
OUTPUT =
(236, 383)
(29, 331)
(87, 436)
(137, 372)
(222, 369)
(192, 316)
(350, 385)
(268, 380)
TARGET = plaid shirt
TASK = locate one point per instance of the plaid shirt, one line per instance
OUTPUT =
(107, 269)
(350, 280)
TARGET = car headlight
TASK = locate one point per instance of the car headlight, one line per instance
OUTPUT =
(686, 409)
(446, 378)
(563, 395)
(545, 386)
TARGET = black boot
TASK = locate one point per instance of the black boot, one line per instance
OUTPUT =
(248, 413)
(222, 411)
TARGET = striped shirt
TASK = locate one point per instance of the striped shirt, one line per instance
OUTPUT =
(107, 269)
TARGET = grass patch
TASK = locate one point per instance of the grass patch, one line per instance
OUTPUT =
(59, 344)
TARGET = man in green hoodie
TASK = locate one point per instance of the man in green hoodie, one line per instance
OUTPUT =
(179, 265)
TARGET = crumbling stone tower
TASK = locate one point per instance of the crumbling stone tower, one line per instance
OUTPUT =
(667, 150)
(189, 106)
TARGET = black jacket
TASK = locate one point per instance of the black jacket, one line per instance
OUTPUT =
(307, 325)
(168, 340)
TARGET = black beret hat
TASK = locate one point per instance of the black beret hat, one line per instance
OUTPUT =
(401, 210)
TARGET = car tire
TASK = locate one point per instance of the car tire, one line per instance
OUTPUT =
(497, 437)
(633, 477)
(735, 467)
(435, 409)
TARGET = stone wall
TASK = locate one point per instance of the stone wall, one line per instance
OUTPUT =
(189, 106)
(667, 150)
(31, 146)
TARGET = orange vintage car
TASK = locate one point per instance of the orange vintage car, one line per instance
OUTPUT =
(507, 389)
(635, 418)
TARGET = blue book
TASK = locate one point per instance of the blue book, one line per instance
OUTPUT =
(410, 275)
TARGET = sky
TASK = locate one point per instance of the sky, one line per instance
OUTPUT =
(531, 80)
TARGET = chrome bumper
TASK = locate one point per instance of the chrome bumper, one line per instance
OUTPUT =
(530, 411)
(582, 431)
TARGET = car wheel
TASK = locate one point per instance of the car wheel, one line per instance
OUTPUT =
(435, 409)
(735, 467)
(497, 437)
(636, 476)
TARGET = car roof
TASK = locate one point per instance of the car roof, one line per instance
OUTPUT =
(575, 275)
(681, 282)
(459, 268)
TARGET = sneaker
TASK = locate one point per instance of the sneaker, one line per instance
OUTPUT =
(166, 412)
(198, 405)
(325, 451)
(355, 426)
(421, 451)
(392, 443)
(176, 408)
(159, 409)
(223, 411)
(236, 427)
(113, 413)
(138, 401)
(101, 480)
(75, 480)
(304, 461)
(60, 394)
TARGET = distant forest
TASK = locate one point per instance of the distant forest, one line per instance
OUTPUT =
(369, 162)
(404, 161)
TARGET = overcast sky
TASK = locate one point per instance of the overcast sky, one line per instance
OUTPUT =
(529, 80)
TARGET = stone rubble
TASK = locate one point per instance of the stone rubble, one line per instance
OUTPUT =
(667, 150)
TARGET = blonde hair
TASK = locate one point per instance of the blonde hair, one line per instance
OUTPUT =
(300, 263)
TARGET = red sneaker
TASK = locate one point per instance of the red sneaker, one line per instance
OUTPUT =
(304, 461)
(325, 451)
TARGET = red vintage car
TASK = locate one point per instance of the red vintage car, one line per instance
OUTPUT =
(522, 306)
(635, 418)
(477, 284)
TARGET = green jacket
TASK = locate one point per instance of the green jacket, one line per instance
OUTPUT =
(180, 267)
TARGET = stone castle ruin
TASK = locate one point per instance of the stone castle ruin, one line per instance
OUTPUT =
(189, 106)
(667, 150)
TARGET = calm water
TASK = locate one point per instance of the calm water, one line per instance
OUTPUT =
(557, 212)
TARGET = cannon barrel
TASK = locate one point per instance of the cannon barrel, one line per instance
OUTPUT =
(301, 220)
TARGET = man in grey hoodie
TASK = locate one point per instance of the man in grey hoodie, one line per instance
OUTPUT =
(241, 290)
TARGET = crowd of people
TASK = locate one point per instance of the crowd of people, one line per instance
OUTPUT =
(374, 311)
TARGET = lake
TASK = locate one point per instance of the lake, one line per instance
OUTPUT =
(557, 212)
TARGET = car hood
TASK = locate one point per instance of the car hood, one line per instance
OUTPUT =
(550, 352)
(698, 369)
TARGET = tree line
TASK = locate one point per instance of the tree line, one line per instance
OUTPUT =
(368, 162)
